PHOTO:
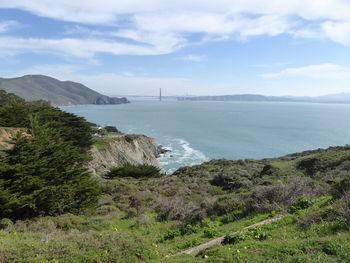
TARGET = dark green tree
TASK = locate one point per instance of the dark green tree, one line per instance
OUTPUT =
(8, 98)
(15, 112)
(43, 174)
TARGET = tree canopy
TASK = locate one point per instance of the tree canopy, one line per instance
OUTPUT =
(44, 172)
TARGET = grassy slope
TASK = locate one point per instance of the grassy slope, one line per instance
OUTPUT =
(143, 220)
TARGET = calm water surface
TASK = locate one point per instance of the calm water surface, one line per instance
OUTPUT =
(200, 131)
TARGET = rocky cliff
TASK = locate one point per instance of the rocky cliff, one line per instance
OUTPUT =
(118, 150)
(107, 151)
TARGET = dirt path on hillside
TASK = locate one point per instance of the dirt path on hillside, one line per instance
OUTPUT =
(196, 250)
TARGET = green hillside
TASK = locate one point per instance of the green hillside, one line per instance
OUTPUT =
(59, 93)
(52, 210)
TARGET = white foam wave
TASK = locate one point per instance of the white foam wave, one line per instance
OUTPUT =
(181, 154)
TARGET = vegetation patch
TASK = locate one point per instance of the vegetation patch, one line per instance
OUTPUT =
(135, 171)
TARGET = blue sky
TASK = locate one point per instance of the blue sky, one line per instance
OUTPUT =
(197, 47)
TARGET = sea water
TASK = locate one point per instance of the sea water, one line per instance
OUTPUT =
(196, 132)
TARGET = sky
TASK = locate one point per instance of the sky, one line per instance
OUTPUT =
(185, 47)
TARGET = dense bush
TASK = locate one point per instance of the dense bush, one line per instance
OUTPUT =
(280, 195)
(302, 203)
(226, 205)
(111, 129)
(341, 187)
(233, 238)
(135, 171)
(323, 161)
(174, 209)
(227, 182)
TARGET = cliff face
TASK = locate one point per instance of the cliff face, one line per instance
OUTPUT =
(110, 100)
(119, 150)
(107, 152)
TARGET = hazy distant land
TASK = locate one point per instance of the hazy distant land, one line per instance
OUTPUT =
(331, 98)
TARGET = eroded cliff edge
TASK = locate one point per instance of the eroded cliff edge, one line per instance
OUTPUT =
(107, 151)
(120, 149)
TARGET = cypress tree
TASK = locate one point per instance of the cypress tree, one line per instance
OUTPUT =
(43, 174)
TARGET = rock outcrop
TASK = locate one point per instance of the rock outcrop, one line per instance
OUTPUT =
(6, 135)
(119, 150)
(108, 151)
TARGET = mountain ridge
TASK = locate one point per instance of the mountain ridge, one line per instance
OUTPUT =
(330, 98)
(59, 93)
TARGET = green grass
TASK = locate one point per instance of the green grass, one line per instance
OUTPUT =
(121, 240)
(152, 219)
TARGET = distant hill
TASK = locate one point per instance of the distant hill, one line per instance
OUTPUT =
(241, 97)
(59, 93)
(335, 98)
(331, 98)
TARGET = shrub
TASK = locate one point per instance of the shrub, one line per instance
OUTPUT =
(171, 234)
(180, 209)
(332, 248)
(233, 238)
(210, 232)
(190, 229)
(322, 162)
(226, 205)
(326, 214)
(302, 203)
(5, 223)
(282, 194)
(70, 221)
(340, 188)
(112, 129)
(227, 182)
(135, 171)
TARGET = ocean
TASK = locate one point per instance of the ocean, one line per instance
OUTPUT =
(196, 132)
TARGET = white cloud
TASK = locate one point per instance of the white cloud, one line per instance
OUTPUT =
(164, 26)
(8, 25)
(126, 83)
(337, 31)
(82, 48)
(167, 24)
(321, 71)
(109, 11)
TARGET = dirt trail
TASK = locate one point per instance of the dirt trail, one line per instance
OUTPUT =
(196, 250)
